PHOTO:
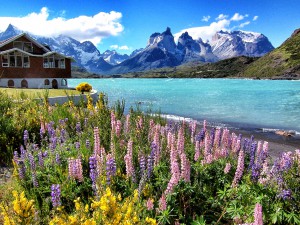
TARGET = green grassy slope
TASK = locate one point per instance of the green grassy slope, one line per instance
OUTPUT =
(283, 62)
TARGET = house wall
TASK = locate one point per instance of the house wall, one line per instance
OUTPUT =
(34, 82)
(36, 70)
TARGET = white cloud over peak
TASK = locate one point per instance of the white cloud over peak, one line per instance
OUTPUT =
(222, 17)
(222, 22)
(237, 17)
(255, 18)
(82, 28)
(123, 47)
(205, 18)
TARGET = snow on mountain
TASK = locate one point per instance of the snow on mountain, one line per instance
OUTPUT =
(113, 57)
(226, 44)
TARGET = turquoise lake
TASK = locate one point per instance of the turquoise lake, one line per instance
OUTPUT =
(257, 104)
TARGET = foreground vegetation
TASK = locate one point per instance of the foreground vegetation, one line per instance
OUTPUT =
(91, 164)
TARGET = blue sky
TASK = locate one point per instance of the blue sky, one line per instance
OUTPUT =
(125, 25)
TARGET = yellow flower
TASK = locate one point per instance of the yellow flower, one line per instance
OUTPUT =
(151, 221)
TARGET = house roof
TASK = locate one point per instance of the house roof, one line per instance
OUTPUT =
(47, 50)
(9, 40)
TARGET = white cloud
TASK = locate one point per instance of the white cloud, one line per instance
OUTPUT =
(244, 24)
(237, 17)
(223, 22)
(255, 18)
(222, 17)
(83, 28)
(117, 47)
(205, 18)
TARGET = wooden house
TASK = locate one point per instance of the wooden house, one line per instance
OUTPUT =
(25, 63)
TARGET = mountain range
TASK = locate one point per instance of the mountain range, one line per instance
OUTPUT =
(160, 51)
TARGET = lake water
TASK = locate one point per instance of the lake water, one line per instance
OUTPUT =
(255, 104)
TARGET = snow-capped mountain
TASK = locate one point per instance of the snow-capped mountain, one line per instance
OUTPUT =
(236, 43)
(194, 50)
(113, 57)
(160, 51)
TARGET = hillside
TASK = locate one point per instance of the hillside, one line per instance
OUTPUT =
(225, 68)
(281, 63)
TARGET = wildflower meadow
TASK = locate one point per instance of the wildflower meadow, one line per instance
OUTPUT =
(94, 164)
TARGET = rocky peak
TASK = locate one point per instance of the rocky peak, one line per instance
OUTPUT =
(164, 41)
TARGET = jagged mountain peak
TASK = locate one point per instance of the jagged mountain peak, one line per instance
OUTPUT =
(167, 32)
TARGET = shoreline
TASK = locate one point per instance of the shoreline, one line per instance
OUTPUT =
(277, 143)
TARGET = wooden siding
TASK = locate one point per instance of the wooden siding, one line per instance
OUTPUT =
(36, 70)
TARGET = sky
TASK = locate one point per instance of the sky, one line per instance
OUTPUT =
(126, 25)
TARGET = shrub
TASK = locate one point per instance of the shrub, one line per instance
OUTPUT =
(84, 87)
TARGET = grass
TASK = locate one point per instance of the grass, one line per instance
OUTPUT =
(37, 93)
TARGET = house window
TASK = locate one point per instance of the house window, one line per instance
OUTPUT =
(54, 61)
(5, 60)
(26, 46)
(46, 82)
(15, 59)
(64, 82)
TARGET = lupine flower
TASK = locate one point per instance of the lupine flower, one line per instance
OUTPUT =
(96, 141)
(150, 163)
(118, 127)
(285, 194)
(162, 203)
(142, 161)
(77, 145)
(252, 154)
(227, 168)
(180, 141)
(193, 125)
(78, 128)
(127, 123)
(41, 159)
(31, 161)
(150, 204)
(185, 168)
(110, 168)
(21, 169)
(57, 158)
(87, 143)
(113, 121)
(25, 137)
(34, 179)
(93, 171)
(129, 161)
(75, 169)
(55, 195)
(201, 135)
(197, 151)
(23, 152)
(217, 140)
(239, 170)
(63, 135)
(258, 215)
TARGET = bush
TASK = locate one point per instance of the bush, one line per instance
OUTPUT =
(84, 87)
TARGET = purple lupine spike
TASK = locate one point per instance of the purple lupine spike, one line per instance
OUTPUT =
(285, 194)
(252, 154)
(55, 195)
(77, 145)
(110, 168)
(63, 135)
(41, 159)
(34, 179)
(212, 136)
(93, 171)
(142, 160)
(21, 169)
(255, 171)
(23, 152)
(31, 161)
(78, 128)
(87, 143)
(53, 143)
(16, 156)
(150, 163)
(25, 137)
(57, 158)
(200, 136)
